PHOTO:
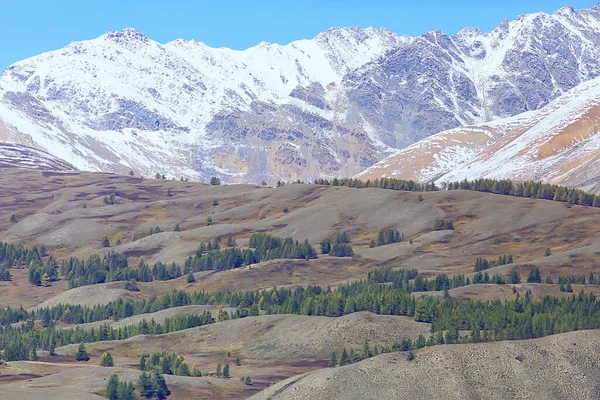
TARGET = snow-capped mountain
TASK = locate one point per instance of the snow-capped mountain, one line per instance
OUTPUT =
(559, 143)
(330, 106)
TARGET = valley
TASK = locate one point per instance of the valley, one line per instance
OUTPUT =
(69, 214)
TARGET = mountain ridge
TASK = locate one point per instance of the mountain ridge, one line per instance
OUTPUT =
(330, 106)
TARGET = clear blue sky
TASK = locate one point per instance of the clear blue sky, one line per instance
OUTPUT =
(30, 27)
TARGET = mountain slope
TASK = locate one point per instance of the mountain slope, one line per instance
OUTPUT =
(534, 369)
(559, 144)
(13, 155)
(329, 106)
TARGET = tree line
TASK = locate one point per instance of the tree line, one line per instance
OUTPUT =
(530, 189)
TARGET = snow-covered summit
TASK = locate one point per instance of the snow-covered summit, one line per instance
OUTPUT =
(328, 106)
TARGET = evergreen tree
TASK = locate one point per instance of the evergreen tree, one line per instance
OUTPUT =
(106, 360)
(105, 242)
(219, 371)
(143, 362)
(226, 371)
(215, 181)
(248, 380)
(534, 276)
(237, 361)
(325, 246)
(160, 385)
(82, 354)
(112, 387)
(332, 360)
(146, 385)
(515, 277)
(344, 360)
(191, 278)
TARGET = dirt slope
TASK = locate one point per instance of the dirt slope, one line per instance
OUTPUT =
(556, 367)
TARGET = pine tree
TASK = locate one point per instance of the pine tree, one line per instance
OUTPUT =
(177, 228)
(106, 360)
(160, 385)
(226, 371)
(219, 371)
(105, 242)
(125, 391)
(82, 354)
(191, 278)
(248, 380)
(146, 385)
(237, 361)
(344, 358)
(112, 387)
(332, 360)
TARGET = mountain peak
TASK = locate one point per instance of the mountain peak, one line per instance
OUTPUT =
(127, 34)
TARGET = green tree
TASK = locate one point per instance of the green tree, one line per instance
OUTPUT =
(191, 278)
(160, 387)
(209, 221)
(226, 371)
(82, 354)
(219, 370)
(547, 252)
(112, 387)
(534, 276)
(344, 359)
(105, 242)
(248, 380)
(215, 181)
(410, 356)
(13, 218)
(177, 228)
(106, 360)
(515, 277)
(325, 246)
(125, 391)
(332, 360)
(238, 362)
(146, 385)
(143, 362)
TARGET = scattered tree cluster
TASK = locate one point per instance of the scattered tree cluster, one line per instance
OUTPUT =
(339, 246)
(119, 390)
(263, 247)
(387, 236)
(165, 363)
(481, 264)
(443, 225)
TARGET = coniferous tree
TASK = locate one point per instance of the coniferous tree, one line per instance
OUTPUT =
(82, 354)
(332, 360)
(534, 276)
(146, 385)
(344, 359)
(112, 387)
(106, 360)
(160, 387)
(105, 242)
(191, 278)
(226, 371)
